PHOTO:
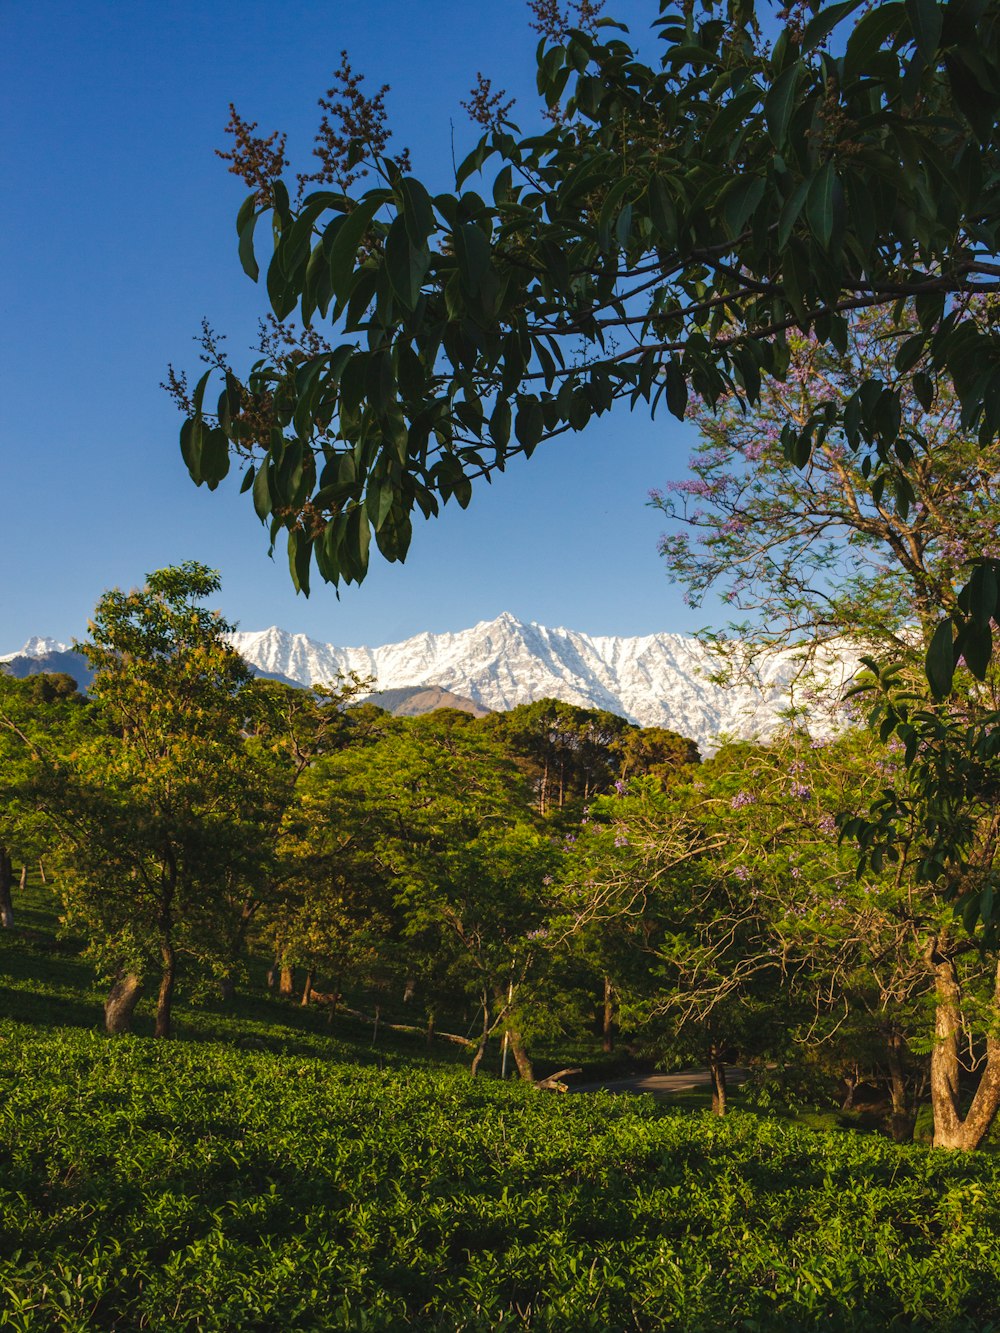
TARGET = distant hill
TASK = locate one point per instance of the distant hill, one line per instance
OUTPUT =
(412, 700)
(73, 664)
(54, 661)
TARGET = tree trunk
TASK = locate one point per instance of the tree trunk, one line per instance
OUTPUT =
(950, 1130)
(521, 1057)
(477, 1059)
(41, 871)
(607, 1029)
(901, 1124)
(430, 1028)
(286, 980)
(227, 987)
(6, 883)
(307, 989)
(165, 998)
(717, 1068)
(121, 1002)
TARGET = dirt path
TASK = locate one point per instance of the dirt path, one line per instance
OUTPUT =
(661, 1085)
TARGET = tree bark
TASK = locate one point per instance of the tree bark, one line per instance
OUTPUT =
(717, 1069)
(286, 980)
(950, 1129)
(307, 988)
(121, 1002)
(477, 1059)
(227, 987)
(165, 999)
(901, 1124)
(608, 1029)
(6, 884)
(521, 1057)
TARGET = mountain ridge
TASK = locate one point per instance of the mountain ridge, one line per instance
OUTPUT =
(654, 680)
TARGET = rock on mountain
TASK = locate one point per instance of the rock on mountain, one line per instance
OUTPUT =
(657, 680)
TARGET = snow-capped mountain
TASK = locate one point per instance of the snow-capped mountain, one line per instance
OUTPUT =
(658, 680)
(37, 647)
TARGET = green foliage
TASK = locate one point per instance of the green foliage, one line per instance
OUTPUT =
(196, 1186)
(701, 206)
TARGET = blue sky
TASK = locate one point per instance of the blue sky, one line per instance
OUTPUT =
(118, 239)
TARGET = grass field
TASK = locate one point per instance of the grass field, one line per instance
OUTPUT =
(267, 1172)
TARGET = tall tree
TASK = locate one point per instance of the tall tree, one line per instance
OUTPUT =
(157, 812)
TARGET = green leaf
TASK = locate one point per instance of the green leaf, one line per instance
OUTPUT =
(214, 457)
(529, 424)
(472, 249)
(344, 250)
(780, 104)
(741, 202)
(824, 23)
(923, 389)
(926, 21)
(677, 390)
(406, 263)
(500, 423)
(819, 204)
(248, 260)
(262, 501)
(418, 213)
(662, 212)
(940, 661)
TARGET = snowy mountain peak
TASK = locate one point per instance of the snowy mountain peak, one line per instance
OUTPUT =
(37, 646)
(655, 680)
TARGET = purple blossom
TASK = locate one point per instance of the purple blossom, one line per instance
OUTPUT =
(742, 873)
(540, 934)
(796, 872)
(620, 787)
(621, 841)
(800, 790)
(690, 486)
(741, 799)
(827, 824)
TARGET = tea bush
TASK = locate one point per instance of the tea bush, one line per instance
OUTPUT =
(197, 1186)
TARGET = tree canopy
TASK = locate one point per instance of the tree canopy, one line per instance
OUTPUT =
(672, 224)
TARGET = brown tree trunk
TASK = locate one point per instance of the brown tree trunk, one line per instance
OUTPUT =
(607, 1029)
(521, 1057)
(950, 1129)
(901, 1124)
(477, 1059)
(286, 980)
(307, 989)
(227, 987)
(6, 884)
(430, 1028)
(165, 999)
(121, 1002)
(717, 1069)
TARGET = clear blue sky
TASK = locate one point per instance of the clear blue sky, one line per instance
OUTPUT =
(118, 238)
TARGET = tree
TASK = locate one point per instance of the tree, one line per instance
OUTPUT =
(156, 812)
(735, 929)
(39, 716)
(443, 814)
(665, 233)
(820, 553)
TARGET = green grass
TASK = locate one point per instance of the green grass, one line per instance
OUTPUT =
(269, 1171)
